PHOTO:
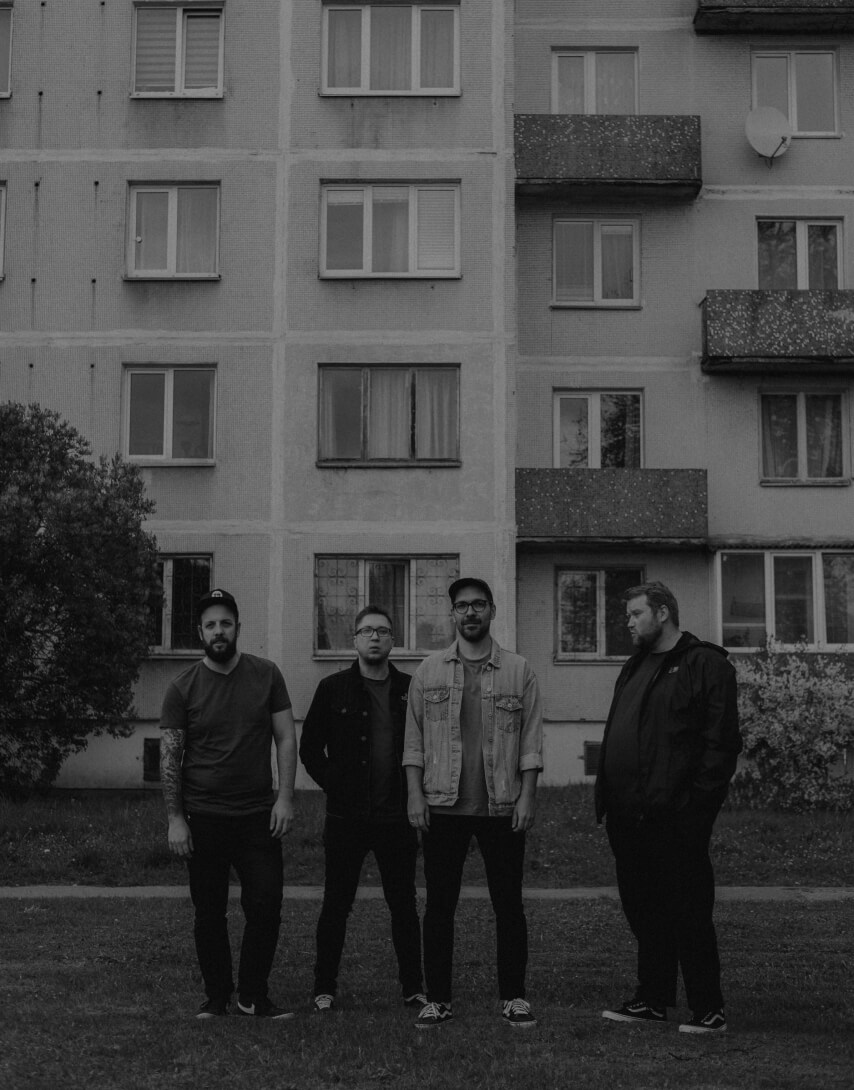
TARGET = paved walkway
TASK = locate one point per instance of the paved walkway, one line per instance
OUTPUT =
(802, 894)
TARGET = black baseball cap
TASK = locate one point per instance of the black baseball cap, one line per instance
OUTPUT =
(217, 598)
(458, 585)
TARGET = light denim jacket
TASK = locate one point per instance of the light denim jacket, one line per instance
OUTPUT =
(512, 726)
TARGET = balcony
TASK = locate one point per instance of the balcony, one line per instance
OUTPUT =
(667, 508)
(637, 155)
(774, 17)
(778, 331)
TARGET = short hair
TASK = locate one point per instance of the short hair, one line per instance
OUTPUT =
(371, 608)
(657, 594)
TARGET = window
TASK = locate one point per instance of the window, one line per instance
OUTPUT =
(390, 230)
(177, 51)
(591, 613)
(796, 597)
(596, 262)
(389, 414)
(400, 49)
(799, 254)
(5, 51)
(414, 590)
(594, 81)
(802, 437)
(174, 231)
(801, 85)
(169, 414)
(597, 430)
(2, 231)
(184, 579)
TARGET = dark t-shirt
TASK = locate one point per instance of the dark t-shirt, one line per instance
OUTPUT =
(227, 769)
(473, 797)
(385, 768)
(621, 753)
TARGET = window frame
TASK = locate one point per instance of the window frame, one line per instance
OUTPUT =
(170, 273)
(790, 55)
(589, 56)
(594, 422)
(169, 370)
(2, 230)
(181, 11)
(803, 480)
(165, 650)
(7, 92)
(802, 225)
(364, 89)
(599, 655)
(597, 302)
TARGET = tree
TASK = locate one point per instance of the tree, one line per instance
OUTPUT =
(77, 573)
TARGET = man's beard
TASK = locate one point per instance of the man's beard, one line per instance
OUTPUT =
(221, 650)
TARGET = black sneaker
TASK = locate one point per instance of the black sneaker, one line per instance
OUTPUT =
(517, 1013)
(417, 1000)
(213, 1008)
(262, 1008)
(711, 1022)
(636, 1010)
(433, 1014)
(323, 1001)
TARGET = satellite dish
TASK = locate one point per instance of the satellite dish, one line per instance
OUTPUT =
(768, 132)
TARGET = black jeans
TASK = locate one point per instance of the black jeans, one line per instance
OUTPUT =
(346, 842)
(445, 845)
(246, 844)
(667, 889)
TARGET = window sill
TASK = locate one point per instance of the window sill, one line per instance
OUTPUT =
(614, 660)
(160, 654)
(171, 463)
(595, 306)
(817, 135)
(810, 482)
(181, 96)
(354, 274)
(412, 463)
(399, 654)
(149, 277)
(354, 93)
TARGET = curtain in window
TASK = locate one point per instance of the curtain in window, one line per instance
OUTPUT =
(780, 435)
(147, 401)
(341, 413)
(344, 56)
(620, 430)
(577, 596)
(743, 599)
(390, 235)
(152, 224)
(434, 628)
(345, 229)
(615, 83)
(814, 91)
(389, 426)
(436, 428)
(617, 261)
(436, 219)
(5, 48)
(822, 256)
(437, 49)
(201, 50)
(387, 582)
(771, 78)
(573, 242)
(574, 432)
(336, 583)
(778, 254)
(155, 49)
(391, 48)
(824, 435)
(793, 601)
(839, 597)
(197, 230)
(192, 413)
(570, 84)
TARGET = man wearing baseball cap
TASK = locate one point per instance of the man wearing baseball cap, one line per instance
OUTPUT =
(473, 750)
(219, 720)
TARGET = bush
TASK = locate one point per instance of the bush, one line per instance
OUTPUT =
(797, 720)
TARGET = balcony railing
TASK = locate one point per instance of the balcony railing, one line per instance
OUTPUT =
(774, 16)
(778, 331)
(664, 507)
(640, 154)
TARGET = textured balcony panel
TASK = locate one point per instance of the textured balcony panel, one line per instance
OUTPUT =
(778, 330)
(575, 151)
(669, 506)
(778, 16)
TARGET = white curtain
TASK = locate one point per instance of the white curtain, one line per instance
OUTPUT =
(436, 427)
(389, 413)
(824, 435)
(573, 261)
(201, 50)
(570, 84)
(617, 269)
(155, 49)
(341, 413)
(390, 233)
(391, 48)
(152, 222)
(615, 83)
(437, 49)
(344, 56)
(197, 229)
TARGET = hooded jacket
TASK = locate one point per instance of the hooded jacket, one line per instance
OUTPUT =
(688, 754)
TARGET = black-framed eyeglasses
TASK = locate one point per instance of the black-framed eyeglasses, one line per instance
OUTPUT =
(368, 630)
(478, 605)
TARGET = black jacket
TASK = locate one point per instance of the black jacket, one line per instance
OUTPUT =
(335, 746)
(686, 759)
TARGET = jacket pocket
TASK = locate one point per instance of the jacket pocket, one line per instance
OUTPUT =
(437, 741)
(508, 714)
(436, 705)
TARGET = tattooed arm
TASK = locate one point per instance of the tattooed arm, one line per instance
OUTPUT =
(171, 755)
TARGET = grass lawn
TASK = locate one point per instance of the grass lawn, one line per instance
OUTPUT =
(97, 994)
(121, 840)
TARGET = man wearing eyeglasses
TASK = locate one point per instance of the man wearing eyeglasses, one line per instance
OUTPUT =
(474, 750)
(351, 746)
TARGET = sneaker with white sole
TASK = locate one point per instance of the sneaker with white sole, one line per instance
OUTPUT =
(433, 1014)
(517, 1013)
(416, 1000)
(323, 1001)
(262, 1008)
(710, 1022)
(636, 1010)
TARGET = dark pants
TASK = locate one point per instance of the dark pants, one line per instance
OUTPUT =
(445, 846)
(667, 888)
(246, 844)
(346, 843)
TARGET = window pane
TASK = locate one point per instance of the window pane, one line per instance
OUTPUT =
(151, 239)
(437, 49)
(574, 433)
(391, 48)
(147, 400)
(822, 256)
(772, 82)
(201, 50)
(839, 597)
(576, 612)
(615, 83)
(155, 610)
(389, 413)
(780, 435)
(337, 590)
(191, 578)
(155, 49)
(341, 413)
(386, 586)
(5, 48)
(617, 262)
(192, 414)
(617, 639)
(570, 85)
(573, 243)
(814, 91)
(434, 628)
(824, 435)
(793, 604)
(437, 230)
(344, 54)
(620, 430)
(344, 228)
(778, 255)
(390, 236)
(436, 413)
(197, 229)
(743, 599)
